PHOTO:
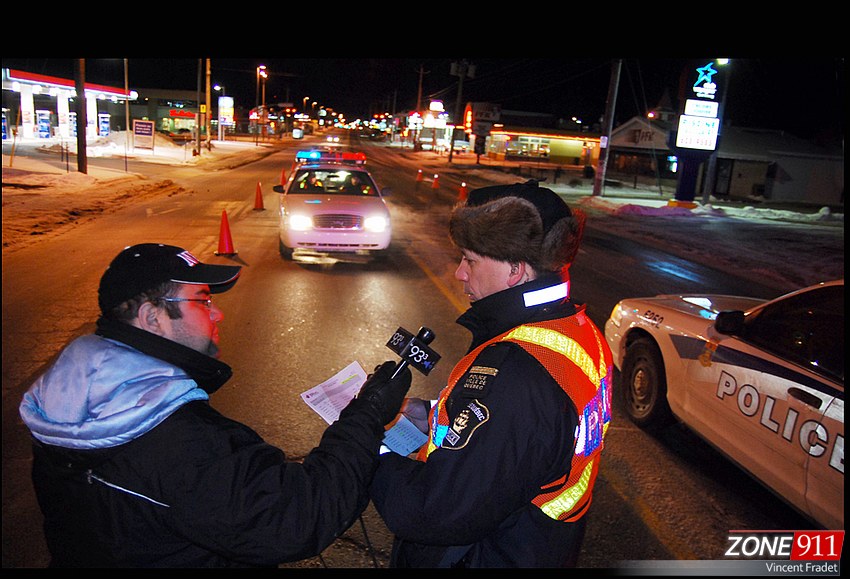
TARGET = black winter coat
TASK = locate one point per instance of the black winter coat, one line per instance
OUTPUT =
(201, 490)
(223, 496)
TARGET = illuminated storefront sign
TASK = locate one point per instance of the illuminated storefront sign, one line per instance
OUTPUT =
(697, 132)
(700, 124)
(225, 111)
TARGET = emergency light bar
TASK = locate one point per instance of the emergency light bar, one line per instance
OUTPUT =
(313, 156)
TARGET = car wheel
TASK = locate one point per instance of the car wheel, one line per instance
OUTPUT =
(285, 252)
(644, 386)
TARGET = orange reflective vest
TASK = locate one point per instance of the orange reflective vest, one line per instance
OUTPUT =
(574, 352)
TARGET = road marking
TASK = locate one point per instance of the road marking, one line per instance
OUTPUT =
(458, 304)
(677, 548)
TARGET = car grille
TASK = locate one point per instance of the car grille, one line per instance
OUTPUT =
(337, 221)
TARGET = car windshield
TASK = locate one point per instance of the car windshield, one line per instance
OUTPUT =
(337, 181)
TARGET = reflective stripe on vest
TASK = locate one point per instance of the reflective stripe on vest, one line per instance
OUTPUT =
(558, 342)
(570, 499)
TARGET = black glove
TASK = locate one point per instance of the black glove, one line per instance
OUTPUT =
(384, 393)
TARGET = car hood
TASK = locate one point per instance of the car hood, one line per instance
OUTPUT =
(334, 203)
(702, 305)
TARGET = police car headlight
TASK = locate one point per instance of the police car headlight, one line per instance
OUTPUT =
(300, 222)
(376, 224)
(616, 316)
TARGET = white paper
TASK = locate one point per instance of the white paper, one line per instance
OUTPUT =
(330, 397)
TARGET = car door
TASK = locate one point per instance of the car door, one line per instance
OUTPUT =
(766, 393)
(825, 468)
(806, 332)
(740, 404)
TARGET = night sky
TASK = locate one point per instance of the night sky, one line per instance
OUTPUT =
(801, 95)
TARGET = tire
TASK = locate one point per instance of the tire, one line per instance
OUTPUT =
(644, 386)
(285, 252)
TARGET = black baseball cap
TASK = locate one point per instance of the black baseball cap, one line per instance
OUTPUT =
(143, 267)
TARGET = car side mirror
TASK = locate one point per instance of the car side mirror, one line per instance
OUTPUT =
(278, 189)
(730, 322)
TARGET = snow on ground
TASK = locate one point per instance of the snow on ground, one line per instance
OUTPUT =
(42, 198)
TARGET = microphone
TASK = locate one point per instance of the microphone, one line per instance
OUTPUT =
(414, 350)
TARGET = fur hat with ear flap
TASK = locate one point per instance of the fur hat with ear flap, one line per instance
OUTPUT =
(520, 222)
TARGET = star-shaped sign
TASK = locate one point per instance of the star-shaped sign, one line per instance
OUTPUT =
(705, 74)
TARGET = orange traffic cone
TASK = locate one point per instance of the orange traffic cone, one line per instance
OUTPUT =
(419, 176)
(436, 183)
(258, 198)
(225, 242)
(461, 196)
(282, 177)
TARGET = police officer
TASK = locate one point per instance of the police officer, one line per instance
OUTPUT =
(506, 477)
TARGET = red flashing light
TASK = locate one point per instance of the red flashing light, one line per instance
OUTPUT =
(315, 156)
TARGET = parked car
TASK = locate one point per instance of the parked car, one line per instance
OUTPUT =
(461, 146)
(181, 135)
(333, 208)
(761, 381)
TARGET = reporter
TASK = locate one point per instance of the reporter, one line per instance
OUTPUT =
(133, 467)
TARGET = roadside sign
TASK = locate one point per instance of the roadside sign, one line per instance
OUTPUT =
(697, 132)
(486, 112)
(481, 128)
(143, 133)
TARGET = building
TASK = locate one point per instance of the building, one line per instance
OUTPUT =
(750, 163)
(527, 136)
(41, 106)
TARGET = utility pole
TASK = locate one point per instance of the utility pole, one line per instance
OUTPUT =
(599, 181)
(419, 94)
(198, 117)
(127, 129)
(208, 115)
(460, 69)
(416, 144)
(82, 121)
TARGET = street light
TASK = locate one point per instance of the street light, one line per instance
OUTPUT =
(220, 88)
(304, 106)
(261, 71)
(263, 105)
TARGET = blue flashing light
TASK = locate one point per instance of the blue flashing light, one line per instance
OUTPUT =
(308, 155)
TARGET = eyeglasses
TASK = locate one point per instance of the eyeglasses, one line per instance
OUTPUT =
(207, 302)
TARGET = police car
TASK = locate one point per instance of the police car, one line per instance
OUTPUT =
(333, 206)
(761, 381)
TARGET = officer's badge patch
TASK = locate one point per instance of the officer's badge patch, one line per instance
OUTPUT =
(473, 415)
(477, 379)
